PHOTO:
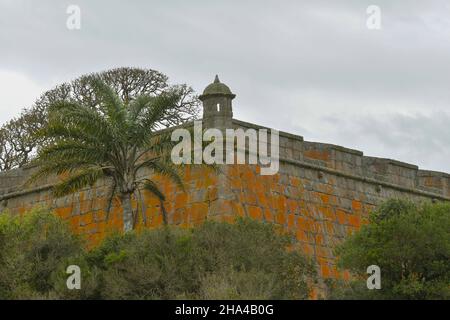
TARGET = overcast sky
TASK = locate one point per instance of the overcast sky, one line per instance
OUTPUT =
(311, 68)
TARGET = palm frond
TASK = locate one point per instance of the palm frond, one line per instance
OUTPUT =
(72, 120)
(58, 167)
(69, 149)
(152, 187)
(110, 102)
(166, 169)
(158, 106)
(138, 105)
(150, 120)
(75, 182)
(159, 145)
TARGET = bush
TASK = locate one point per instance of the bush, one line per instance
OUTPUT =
(156, 264)
(411, 245)
(245, 260)
(251, 259)
(32, 247)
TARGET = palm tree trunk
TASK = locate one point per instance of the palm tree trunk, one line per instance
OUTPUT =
(164, 212)
(127, 212)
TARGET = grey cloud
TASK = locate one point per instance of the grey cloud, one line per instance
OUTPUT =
(416, 138)
(291, 63)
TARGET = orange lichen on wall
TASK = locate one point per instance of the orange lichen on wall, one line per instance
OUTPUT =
(317, 154)
(311, 216)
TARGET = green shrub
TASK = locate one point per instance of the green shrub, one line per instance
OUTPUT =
(157, 264)
(246, 260)
(32, 247)
(254, 251)
(411, 245)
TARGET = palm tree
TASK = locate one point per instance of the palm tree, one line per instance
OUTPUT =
(113, 140)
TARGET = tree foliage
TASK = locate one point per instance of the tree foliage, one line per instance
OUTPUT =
(18, 142)
(128, 83)
(217, 260)
(114, 138)
(32, 247)
(411, 245)
(18, 139)
(245, 260)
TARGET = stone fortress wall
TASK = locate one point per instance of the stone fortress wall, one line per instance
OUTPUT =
(321, 193)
